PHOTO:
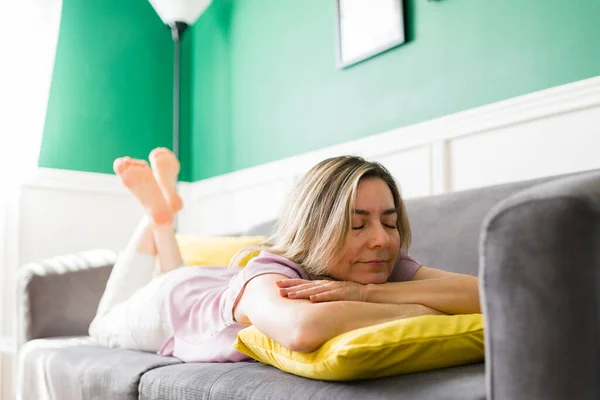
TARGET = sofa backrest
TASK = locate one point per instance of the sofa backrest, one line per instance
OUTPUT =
(446, 228)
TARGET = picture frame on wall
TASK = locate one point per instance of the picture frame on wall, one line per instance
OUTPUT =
(366, 28)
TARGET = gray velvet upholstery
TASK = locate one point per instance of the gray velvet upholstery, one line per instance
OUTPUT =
(537, 253)
(60, 296)
(540, 260)
(445, 229)
(258, 381)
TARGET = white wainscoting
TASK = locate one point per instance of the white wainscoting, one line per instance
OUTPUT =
(66, 211)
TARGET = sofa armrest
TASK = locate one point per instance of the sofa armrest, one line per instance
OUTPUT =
(60, 296)
(540, 288)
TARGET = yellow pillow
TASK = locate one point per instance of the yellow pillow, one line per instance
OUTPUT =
(397, 347)
(217, 251)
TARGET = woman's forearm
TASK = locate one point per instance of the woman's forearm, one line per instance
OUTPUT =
(327, 320)
(452, 295)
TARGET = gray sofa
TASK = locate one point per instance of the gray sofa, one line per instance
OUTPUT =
(535, 246)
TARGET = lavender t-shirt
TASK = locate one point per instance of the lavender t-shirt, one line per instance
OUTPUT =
(198, 302)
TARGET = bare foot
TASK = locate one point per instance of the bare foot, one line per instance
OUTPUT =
(165, 167)
(137, 176)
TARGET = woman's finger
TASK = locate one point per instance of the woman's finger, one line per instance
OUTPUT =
(306, 285)
(300, 288)
(284, 283)
(305, 292)
(332, 295)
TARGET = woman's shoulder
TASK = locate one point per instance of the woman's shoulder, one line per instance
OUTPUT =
(264, 263)
(405, 268)
(267, 262)
(403, 256)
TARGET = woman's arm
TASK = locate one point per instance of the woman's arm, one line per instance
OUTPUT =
(444, 291)
(300, 325)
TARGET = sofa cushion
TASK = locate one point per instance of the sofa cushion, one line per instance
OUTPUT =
(186, 381)
(74, 368)
(250, 380)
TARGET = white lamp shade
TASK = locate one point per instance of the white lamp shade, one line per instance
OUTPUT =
(187, 11)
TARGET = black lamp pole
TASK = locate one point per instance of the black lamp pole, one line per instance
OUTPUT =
(177, 30)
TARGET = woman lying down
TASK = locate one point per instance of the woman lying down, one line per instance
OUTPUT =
(337, 262)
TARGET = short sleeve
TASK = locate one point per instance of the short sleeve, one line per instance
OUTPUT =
(264, 263)
(404, 269)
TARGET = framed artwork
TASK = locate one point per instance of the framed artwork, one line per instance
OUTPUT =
(366, 28)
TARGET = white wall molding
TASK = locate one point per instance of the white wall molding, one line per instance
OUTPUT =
(79, 181)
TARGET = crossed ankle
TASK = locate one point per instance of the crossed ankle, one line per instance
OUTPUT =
(175, 204)
(161, 218)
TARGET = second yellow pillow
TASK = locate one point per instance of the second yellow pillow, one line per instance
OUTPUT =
(214, 251)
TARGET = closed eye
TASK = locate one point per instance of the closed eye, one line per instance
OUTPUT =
(355, 228)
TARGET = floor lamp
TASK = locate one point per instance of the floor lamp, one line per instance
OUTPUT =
(178, 15)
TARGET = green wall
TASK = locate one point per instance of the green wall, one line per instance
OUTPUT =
(260, 82)
(211, 84)
(111, 92)
(265, 86)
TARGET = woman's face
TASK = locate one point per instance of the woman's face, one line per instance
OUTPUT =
(373, 244)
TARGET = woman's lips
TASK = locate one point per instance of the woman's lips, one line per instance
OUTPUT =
(377, 261)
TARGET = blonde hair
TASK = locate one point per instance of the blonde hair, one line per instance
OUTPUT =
(316, 219)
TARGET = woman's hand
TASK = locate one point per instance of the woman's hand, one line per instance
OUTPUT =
(320, 291)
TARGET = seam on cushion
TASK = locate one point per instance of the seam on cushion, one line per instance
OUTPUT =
(382, 346)
(489, 225)
(222, 375)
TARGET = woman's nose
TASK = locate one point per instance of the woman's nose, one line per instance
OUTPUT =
(379, 236)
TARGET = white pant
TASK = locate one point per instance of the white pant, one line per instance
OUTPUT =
(128, 314)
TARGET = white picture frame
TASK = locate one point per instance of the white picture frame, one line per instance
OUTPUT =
(365, 28)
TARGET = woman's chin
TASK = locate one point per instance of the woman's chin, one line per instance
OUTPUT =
(372, 278)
